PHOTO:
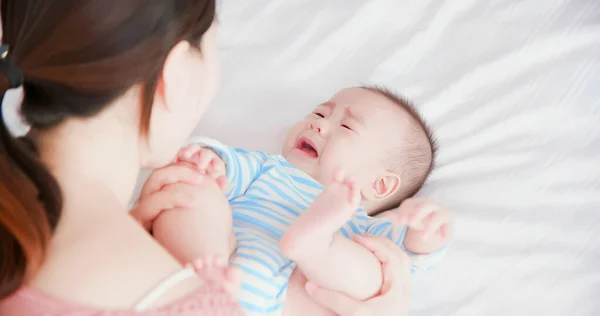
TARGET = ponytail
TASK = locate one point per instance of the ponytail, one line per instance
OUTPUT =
(30, 199)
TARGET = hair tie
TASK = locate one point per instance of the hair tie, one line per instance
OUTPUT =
(9, 69)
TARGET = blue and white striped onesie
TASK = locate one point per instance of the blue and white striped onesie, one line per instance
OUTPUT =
(267, 194)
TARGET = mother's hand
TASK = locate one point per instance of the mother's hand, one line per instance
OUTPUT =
(395, 292)
(166, 188)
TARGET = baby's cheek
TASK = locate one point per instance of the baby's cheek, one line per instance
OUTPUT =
(360, 165)
(295, 131)
(334, 161)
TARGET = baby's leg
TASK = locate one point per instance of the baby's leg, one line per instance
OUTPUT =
(298, 302)
(327, 258)
(191, 234)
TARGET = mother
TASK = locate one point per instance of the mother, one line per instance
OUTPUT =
(110, 86)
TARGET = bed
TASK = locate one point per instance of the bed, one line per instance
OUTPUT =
(512, 89)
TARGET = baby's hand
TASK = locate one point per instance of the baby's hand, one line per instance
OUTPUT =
(217, 272)
(206, 161)
(429, 225)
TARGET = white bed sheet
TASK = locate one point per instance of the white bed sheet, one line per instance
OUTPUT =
(512, 89)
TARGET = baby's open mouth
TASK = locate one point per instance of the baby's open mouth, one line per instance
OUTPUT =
(307, 147)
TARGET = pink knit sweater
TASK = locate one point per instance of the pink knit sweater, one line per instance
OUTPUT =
(209, 300)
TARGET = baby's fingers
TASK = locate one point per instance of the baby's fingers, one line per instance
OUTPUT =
(435, 224)
(211, 268)
(396, 218)
(233, 281)
(353, 191)
(413, 218)
(413, 212)
(216, 168)
(202, 160)
(338, 175)
(215, 270)
(404, 213)
(223, 183)
(188, 152)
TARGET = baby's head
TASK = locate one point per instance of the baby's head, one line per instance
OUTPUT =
(375, 137)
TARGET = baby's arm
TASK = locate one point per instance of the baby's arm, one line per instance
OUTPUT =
(327, 258)
(429, 225)
(181, 231)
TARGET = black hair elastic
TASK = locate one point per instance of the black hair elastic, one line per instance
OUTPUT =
(9, 69)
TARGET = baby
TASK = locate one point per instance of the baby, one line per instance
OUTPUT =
(362, 152)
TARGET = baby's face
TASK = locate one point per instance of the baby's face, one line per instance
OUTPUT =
(356, 131)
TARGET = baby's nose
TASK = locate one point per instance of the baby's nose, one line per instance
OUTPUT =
(319, 127)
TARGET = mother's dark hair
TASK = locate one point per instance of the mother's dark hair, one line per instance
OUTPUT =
(76, 57)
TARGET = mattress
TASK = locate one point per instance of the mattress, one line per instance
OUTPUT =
(512, 90)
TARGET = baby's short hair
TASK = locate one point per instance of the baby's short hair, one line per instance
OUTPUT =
(416, 157)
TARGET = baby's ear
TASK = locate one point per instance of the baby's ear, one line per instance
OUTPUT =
(384, 186)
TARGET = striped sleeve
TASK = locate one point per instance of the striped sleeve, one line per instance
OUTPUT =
(243, 167)
(384, 228)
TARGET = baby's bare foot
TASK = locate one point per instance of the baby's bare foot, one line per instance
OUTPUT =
(216, 272)
(314, 229)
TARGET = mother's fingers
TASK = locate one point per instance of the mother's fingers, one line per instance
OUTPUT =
(176, 195)
(335, 301)
(384, 249)
(396, 279)
(173, 173)
(394, 261)
(148, 208)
